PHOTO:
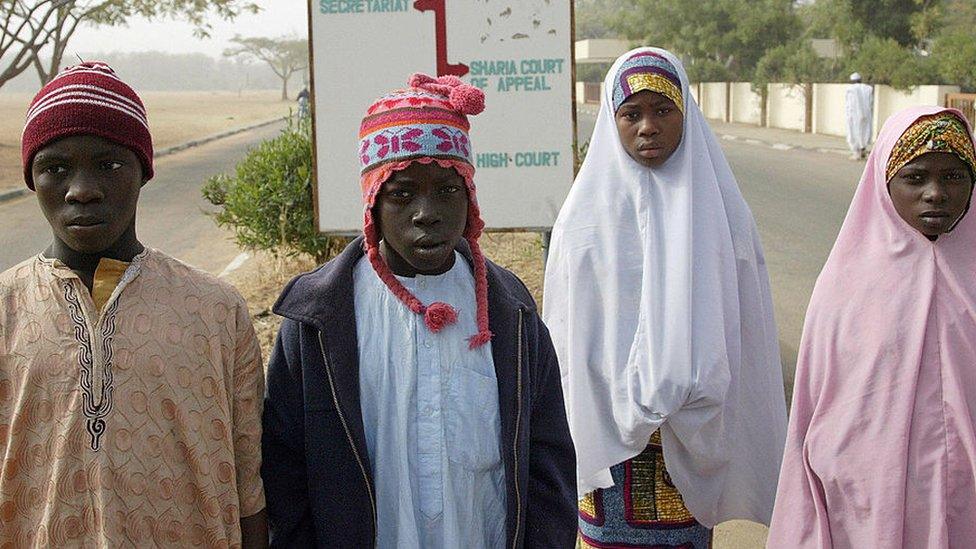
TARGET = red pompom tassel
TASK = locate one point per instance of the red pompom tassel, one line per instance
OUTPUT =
(479, 339)
(468, 99)
(438, 315)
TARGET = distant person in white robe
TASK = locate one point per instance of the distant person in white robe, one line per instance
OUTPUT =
(859, 110)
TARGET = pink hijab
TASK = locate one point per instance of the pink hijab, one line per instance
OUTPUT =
(881, 449)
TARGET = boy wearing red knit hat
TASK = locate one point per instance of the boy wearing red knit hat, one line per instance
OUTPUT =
(130, 383)
(413, 395)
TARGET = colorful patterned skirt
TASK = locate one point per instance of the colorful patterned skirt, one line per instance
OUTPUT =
(641, 510)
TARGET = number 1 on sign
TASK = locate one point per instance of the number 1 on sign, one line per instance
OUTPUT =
(440, 28)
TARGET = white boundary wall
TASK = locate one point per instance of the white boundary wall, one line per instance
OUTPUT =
(786, 107)
(746, 104)
(713, 100)
(828, 109)
(888, 101)
(786, 104)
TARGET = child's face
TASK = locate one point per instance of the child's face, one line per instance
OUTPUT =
(422, 212)
(932, 192)
(650, 127)
(88, 188)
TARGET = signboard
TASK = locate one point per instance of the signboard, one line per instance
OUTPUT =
(518, 51)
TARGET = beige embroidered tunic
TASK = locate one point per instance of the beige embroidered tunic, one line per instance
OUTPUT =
(136, 425)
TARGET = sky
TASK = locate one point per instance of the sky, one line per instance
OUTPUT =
(286, 17)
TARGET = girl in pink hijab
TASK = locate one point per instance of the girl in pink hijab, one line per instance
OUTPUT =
(881, 448)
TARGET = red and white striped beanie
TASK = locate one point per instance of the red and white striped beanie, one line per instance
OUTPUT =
(87, 99)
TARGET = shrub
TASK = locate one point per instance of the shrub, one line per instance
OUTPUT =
(267, 202)
(956, 53)
(794, 63)
(884, 61)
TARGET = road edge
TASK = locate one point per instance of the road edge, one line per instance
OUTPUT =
(6, 196)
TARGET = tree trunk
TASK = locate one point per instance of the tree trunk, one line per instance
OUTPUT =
(284, 88)
(808, 107)
(60, 44)
(764, 106)
(13, 70)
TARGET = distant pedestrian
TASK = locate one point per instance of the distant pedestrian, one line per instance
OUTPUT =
(413, 393)
(303, 101)
(881, 450)
(659, 306)
(859, 112)
(130, 383)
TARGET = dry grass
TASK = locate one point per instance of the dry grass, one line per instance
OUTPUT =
(175, 117)
(261, 279)
(520, 253)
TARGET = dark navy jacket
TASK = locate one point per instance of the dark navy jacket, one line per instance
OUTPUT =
(316, 467)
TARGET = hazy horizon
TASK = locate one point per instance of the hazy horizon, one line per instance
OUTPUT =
(175, 38)
(287, 17)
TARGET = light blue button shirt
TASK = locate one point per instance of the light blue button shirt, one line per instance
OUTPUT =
(431, 416)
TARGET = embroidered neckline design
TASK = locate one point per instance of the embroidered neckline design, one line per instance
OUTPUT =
(95, 409)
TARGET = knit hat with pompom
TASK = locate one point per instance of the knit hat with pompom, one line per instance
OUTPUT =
(427, 122)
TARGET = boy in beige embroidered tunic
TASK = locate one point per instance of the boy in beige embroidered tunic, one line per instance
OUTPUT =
(130, 383)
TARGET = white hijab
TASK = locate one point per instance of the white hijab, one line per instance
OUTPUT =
(658, 301)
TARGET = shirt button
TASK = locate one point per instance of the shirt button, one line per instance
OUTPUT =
(427, 344)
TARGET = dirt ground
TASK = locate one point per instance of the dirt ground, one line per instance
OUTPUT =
(261, 279)
(174, 117)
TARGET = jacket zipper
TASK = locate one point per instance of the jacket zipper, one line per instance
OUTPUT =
(345, 426)
(518, 421)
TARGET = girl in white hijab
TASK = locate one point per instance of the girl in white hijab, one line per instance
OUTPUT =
(658, 301)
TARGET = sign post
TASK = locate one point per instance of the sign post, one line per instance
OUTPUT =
(518, 51)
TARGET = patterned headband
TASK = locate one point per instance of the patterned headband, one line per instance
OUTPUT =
(647, 71)
(429, 119)
(943, 132)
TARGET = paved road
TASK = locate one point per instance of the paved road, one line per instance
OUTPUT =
(171, 213)
(799, 199)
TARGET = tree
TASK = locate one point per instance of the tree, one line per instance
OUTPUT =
(594, 18)
(284, 55)
(851, 22)
(889, 18)
(955, 54)
(36, 32)
(717, 38)
(887, 41)
(832, 19)
(795, 63)
(948, 27)
(885, 61)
